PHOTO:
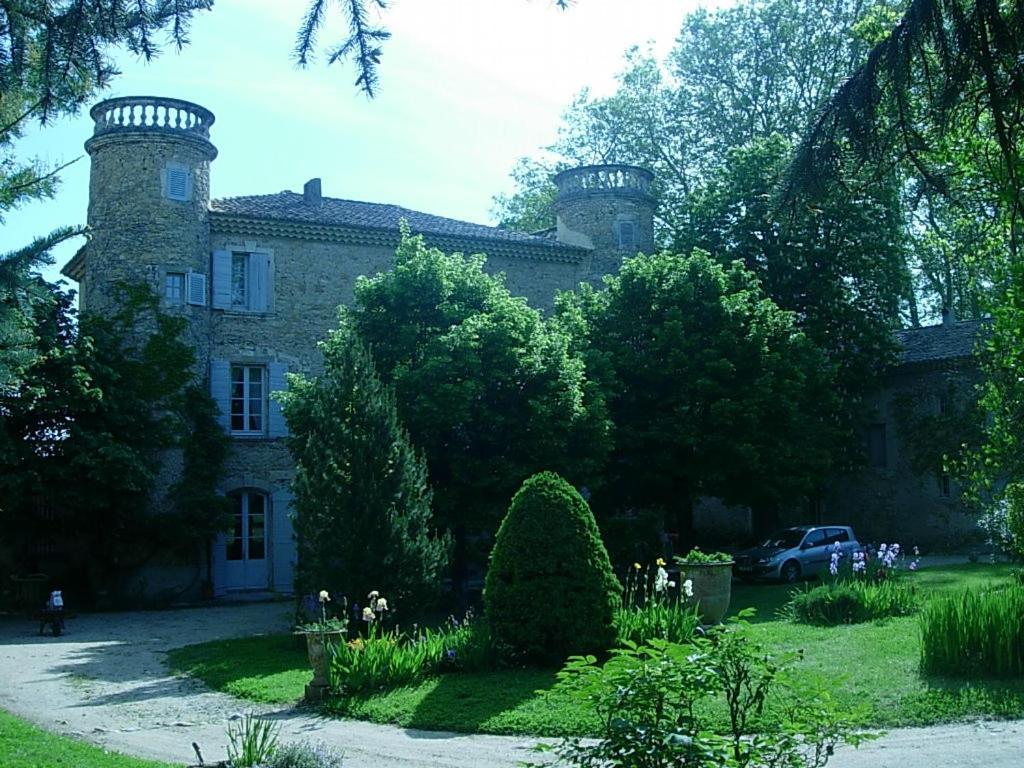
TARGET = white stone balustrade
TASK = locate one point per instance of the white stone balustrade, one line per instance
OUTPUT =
(601, 178)
(151, 113)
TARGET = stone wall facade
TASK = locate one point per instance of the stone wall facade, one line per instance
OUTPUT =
(151, 216)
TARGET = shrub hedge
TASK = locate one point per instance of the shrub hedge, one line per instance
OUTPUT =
(550, 591)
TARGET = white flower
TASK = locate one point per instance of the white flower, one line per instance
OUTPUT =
(382, 605)
(373, 595)
(661, 580)
(688, 587)
(324, 597)
(368, 614)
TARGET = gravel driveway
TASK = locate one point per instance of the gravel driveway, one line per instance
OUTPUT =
(106, 681)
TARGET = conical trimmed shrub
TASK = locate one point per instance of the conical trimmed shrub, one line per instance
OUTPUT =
(550, 590)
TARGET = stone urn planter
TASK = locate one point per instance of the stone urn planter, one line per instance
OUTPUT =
(712, 587)
(317, 649)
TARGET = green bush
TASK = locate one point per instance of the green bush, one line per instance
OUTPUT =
(661, 705)
(851, 602)
(550, 591)
(975, 634)
(696, 557)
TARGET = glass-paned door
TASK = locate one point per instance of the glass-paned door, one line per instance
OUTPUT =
(245, 546)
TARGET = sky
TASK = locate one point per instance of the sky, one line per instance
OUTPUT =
(466, 87)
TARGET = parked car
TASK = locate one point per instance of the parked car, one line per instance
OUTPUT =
(795, 553)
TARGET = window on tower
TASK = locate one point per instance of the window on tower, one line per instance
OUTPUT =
(625, 235)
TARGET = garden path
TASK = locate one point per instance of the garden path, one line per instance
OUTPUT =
(106, 681)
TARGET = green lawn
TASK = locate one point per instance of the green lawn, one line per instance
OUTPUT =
(25, 746)
(875, 665)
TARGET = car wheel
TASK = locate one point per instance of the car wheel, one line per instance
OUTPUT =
(790, 572)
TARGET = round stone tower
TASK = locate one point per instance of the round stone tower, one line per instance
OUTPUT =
(609, 209)
(149, 196)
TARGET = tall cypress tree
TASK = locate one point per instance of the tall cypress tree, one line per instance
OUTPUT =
(362, 502)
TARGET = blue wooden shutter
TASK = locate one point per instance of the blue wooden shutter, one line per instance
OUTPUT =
(220, 391)
(220, 565)
(195, 288)
(259, 281)
(278, 383)
(221, 280)
(282, 541)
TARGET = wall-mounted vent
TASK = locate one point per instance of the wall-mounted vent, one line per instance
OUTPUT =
(177, 182)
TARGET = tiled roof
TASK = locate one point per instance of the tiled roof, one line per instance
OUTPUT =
(383, 217)
(935, 343)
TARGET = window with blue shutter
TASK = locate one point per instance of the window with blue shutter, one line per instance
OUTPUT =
(278, 383)
(242, 280)
(220, 391)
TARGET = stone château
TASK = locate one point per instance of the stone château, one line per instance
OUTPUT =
(259, 279)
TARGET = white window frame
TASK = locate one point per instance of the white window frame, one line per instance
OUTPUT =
(246, 399)
(178, 279)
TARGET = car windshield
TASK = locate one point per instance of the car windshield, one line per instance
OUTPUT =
(787, 539)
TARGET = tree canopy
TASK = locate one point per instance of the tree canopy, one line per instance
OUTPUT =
(713, 390)
(489, 390)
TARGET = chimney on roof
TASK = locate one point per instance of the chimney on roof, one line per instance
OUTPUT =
(948, 317)
(311, 191)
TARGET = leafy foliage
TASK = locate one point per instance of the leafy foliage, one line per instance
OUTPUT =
(550, 591)
(88, 431)
(362, 504)
(489, 390)
(713, 390)
(696, 556)
(653, 703)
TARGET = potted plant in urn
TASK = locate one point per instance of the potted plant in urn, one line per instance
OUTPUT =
(710, 574)
(321, 637)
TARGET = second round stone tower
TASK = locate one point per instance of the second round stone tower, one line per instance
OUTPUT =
(149, 200)
(606, 208)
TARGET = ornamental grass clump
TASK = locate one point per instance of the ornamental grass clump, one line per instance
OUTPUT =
(977, 633)
(386, 659)
(865, 587)
(550, 590)
(652, 610)
(852, 602)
